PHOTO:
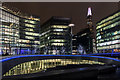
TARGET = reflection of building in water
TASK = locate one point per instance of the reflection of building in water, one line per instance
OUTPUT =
(42, 65)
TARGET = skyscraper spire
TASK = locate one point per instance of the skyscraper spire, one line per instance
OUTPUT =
(92, 43)
(89, 17)
(89, 12)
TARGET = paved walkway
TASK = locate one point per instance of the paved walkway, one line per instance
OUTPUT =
(112, 76)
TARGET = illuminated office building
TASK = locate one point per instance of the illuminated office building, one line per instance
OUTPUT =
(19, 34)
(108, 34)
(29, 35)
(55, 36)
(9, 32)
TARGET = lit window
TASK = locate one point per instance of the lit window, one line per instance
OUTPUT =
(58, 44)
(57, 40)
(29, 29)
(29, 21)
(29, 37)
(99, 37)
(58, 29)
(25, 41)
(33, 34)
(37, 42)
(59, 26)
(29, 25)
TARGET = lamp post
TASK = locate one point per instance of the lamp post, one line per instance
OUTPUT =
(71, 25)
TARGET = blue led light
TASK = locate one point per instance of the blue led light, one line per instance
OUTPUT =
(112, 54)
(20, 56)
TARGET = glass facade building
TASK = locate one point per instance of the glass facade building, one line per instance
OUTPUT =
(19, 33)
(108, 34)
(55, 36)
(29, 35)
(9, 32)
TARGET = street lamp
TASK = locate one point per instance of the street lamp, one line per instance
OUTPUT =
(71, 25)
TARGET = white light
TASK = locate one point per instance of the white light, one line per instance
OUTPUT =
(83, 34)
(48, 37)
(71, 25)
(58, 29)
(89, 11)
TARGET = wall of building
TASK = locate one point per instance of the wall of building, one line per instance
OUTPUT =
(83, 42)
(19, 32)
(108, 34)
(55, 36)
(9, 30)
(29, 35)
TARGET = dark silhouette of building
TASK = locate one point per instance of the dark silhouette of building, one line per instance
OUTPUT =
(84, 41)
(91, 28)
(55, 36)
(74, 44)
(92, 34)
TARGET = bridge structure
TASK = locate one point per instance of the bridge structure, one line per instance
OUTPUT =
(112, 55)
(45, 66)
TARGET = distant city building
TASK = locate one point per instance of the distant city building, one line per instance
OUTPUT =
(74, 44)
(92, 41)
(82, 42)
(90, 30)
(19, 33)
(55, 36)
(108, 34)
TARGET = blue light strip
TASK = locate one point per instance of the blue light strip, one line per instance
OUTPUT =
(20, 56)
(103, 57)
(105, 54)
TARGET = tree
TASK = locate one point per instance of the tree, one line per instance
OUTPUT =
(45, 50)
(63, 50)
(80, 50)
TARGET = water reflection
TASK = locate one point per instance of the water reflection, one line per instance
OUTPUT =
(41, 65)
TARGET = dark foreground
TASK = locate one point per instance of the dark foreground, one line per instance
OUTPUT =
(76, 72)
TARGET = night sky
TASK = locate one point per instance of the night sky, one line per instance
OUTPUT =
(77, 11)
